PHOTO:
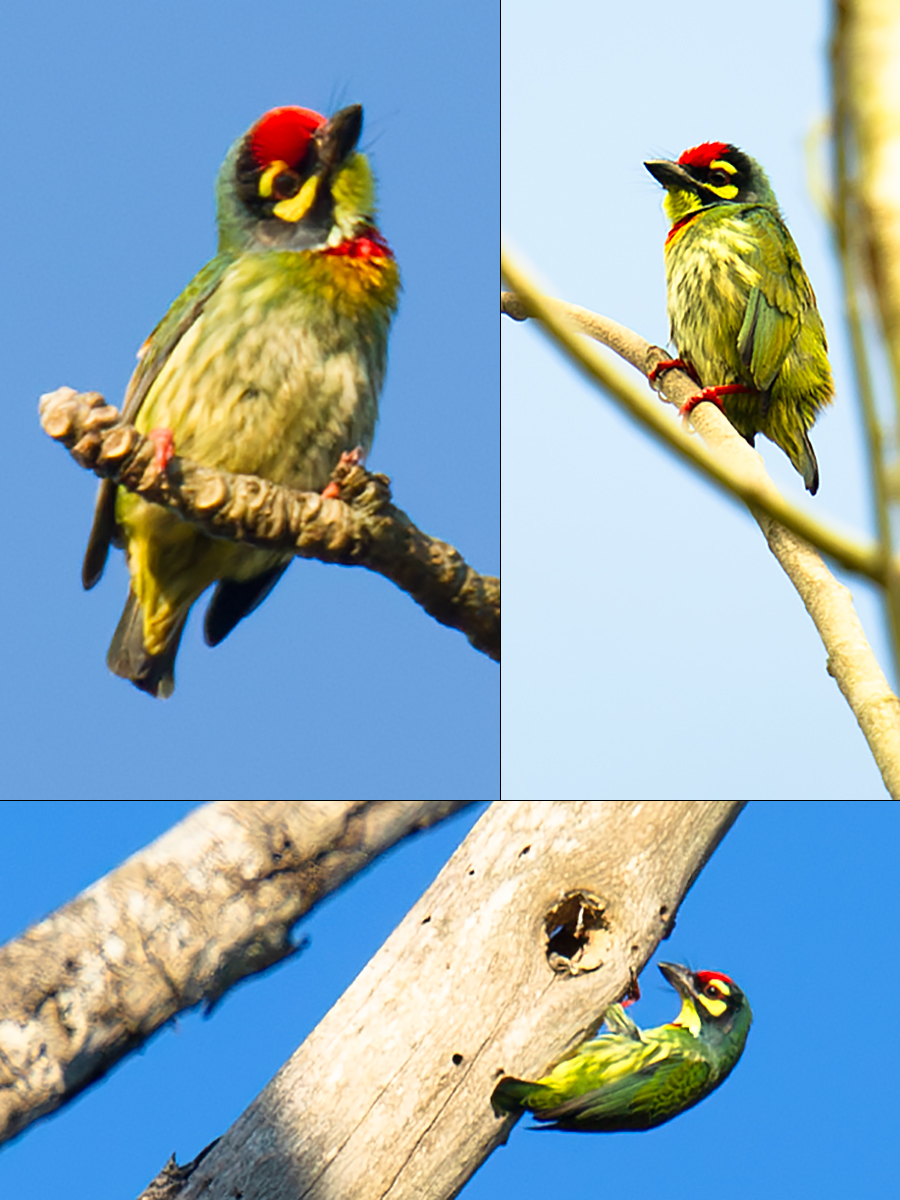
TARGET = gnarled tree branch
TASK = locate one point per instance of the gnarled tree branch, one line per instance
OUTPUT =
(212, 901)
(361, 529)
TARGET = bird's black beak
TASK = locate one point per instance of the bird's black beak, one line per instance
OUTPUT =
(681, 979)
(673, 177)
(337, 138)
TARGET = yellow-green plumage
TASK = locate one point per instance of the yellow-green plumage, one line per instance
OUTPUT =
(741, 308)
(270, 363)
(631, 1079)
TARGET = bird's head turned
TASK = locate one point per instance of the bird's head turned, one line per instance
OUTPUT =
(295, 181)
(710, 174)
(711, 1003)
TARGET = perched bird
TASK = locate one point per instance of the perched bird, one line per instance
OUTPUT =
(742, 311)
(634, 1079)
(270, 363)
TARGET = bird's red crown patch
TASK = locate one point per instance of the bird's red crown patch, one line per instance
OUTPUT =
(283, 134)
(704, 154)
(706, 976)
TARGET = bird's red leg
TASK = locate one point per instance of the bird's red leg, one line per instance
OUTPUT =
(632, 992)
(670, 364)
(164, 441)
(714, 395)
(349, 458)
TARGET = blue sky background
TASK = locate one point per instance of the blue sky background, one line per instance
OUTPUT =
(116, 118)
(653, 646)
(798, 905)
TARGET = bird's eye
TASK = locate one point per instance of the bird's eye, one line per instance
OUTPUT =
(285, 185)
(712, 989)
(718, 178)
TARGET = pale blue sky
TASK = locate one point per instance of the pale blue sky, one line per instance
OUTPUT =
(653, 646)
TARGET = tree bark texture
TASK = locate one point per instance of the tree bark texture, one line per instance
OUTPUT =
(212, 901)
(357, 525)
(531, 930)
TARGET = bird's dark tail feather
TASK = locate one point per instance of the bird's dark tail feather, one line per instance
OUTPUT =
(509, 1095)
(806, 464)
(152, 673)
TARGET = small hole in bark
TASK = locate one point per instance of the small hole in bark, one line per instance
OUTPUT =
(524, 850)
(425, 920)
(457, 1059)
(471, 871)
(663, 912)
(577, 933)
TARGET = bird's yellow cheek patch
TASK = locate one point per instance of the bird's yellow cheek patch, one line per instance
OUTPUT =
(298, 206)
(715, 1008)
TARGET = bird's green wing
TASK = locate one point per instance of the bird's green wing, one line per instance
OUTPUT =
(635, 1099)
(155, 351)
(777, 304)
(153, 356)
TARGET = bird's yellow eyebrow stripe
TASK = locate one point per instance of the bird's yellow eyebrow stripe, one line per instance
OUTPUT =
(268, 177)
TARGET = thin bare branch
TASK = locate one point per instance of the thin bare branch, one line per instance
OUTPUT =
(739, 469)
(861, 225)
(743, 476)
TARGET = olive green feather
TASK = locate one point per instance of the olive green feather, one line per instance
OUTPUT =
(741, 308)
(269, 363)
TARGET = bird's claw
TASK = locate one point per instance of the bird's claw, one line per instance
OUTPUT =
(164, 447)
(349, 458)
(713, 395)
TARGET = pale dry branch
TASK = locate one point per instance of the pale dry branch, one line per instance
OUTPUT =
(389, 1097)
(361, 529)
(865, 47)
(866, 87)
(731, 462)
(211, 902)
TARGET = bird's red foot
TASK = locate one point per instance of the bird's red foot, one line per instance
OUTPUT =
(349, 458)
(713, 394)
(164, 441)
(670, 364)
(633, 991)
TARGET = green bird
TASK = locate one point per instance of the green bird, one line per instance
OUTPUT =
(269, 363)
(634, 1079)
(742, 311)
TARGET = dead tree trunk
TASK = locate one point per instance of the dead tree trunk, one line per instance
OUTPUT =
(533, 927)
